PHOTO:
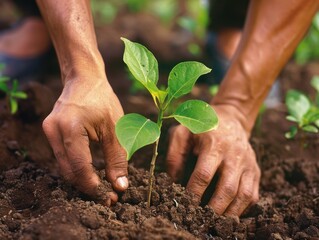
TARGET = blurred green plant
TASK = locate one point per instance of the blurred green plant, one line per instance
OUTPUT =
(11, 90)
(103, 11)
(165, 9)
(136, 5)
(303, 111)
(308, 49)
(12, 93)
(194, 19)
(213, 90)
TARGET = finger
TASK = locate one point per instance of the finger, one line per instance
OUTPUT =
(205, 169)
(226, 190)
(115, 162)
(245, 194)
(56, 142)
(178, 150)
(76, 145)
(255, 198)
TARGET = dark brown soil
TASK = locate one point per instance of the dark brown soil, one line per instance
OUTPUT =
(35, 203)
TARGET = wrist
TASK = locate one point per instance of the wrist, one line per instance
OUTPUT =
(82, 66)
(233, 113)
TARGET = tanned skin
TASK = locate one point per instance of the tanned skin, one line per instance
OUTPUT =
(88, 109)
(272, 32)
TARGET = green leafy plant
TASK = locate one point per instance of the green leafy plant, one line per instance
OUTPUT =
(303, 111)
(308, 47)
(134, 131)
(136, 5)
(12, 93)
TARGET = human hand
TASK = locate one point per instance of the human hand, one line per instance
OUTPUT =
(225, 150)
(87, 110)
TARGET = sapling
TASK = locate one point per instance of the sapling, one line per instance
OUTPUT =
(134, 131)
(12, 93)
(303, 111)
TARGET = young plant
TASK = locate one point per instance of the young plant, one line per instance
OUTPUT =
(134, 131)
(303, 111)
(12, 93)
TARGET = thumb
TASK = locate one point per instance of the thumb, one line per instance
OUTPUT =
(178, 150)
(116, 164)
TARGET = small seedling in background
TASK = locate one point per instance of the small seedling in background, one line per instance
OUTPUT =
(303, 111)
(315, 84)
(12, 93)
(213, 90)
(308, 48)
(134, 131)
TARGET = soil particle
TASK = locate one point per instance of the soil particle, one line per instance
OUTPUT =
(91, 221)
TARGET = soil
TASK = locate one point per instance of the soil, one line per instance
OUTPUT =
(35, 202)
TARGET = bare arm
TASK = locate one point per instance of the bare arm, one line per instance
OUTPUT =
(87, 108)
(71, 28)
(272, 31)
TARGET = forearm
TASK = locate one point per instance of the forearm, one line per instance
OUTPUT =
(71, 28)
(272, 31)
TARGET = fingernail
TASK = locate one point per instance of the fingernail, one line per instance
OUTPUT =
(122, 182)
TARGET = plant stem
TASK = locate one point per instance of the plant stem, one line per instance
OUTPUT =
(153, 162)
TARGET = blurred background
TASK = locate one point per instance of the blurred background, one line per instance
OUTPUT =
(174, 30)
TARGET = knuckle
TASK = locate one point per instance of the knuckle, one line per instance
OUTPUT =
(171, 160)
(178, 132)
(69, 177)
(80, 168)
(229, 190)
(247, 194)
(68, 124)
(208, 141)
(202, 177)
(117, 165)
(47, 125)
(172, 131)
(217, 208)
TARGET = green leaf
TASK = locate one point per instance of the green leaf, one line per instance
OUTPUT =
(197, 116)
(297, 103)
(13, 105)
(134, 131)
(144, 67)
(317, 123)
(4, 79)
(315, 83)
(141, 62)
(292, 132)
(310, 128)
(21, 95)
(15, 85)
(4, 87)
(291, 118)
(183, 77)
(311, 116)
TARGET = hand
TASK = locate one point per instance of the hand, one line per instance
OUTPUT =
(226, 150)
(87, 110)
